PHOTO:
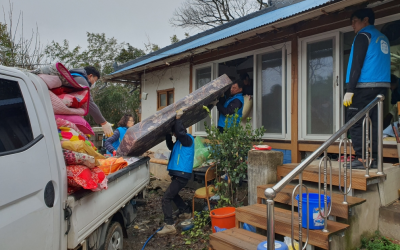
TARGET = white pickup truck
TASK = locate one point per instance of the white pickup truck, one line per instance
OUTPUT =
(36, 213)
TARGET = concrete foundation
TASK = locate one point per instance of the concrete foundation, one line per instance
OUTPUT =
(159, 171)
(262, 170)
(363, 221)
(388, 188)
(389, 221)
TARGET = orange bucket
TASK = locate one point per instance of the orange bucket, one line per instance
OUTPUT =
(223, 218)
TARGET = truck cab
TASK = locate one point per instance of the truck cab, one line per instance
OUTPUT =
(35, 209)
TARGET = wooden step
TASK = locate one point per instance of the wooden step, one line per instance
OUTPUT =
(359, 181)
(256, 215)
(338, 208)
(235, 238)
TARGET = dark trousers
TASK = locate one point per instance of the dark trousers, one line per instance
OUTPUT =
(362, 97)
(221, 129)
(172, 194)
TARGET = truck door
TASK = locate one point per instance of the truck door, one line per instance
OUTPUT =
(26, 192)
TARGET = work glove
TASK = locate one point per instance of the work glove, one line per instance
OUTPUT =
(214, 102)
(347, 99)
(107, 128)
(179, 113)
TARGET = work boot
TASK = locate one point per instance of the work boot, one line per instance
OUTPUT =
(357, 164)
(167, 229)
(185, 216)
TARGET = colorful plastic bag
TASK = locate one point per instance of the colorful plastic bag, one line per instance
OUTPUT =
(75, 158)
(69, 134)
(200, 152)
(112, 164)
(81, 147)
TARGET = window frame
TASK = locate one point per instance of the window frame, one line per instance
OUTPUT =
(214, 112)
(286, 90)
(30, 110)
(336, 84)
(164, 91)
(257, 88)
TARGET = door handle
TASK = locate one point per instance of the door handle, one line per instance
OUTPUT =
(49, 194)
(337, 80)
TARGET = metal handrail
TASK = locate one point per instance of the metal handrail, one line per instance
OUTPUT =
(270, 193)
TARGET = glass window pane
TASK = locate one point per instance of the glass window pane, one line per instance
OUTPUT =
(203, 76)
(15, 127)
(163, 100)
(170, 98)
(271, 80)
(320, 87)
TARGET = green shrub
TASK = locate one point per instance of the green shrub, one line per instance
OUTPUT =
(230, 150)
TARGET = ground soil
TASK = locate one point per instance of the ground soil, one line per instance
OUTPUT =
(150, 218)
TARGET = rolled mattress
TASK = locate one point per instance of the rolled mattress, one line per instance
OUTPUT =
(152, 130)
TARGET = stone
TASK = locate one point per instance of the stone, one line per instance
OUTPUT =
(262, 169)
(389, 221)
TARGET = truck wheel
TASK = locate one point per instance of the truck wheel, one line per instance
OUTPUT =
(115, 237)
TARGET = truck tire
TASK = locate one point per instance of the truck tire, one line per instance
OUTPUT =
(115, 237)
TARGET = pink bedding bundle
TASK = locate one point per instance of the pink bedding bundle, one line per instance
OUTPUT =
(70, 102)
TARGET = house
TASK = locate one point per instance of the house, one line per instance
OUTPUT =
(296, 53)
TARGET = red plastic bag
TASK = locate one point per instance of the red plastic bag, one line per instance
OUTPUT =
(262, 147)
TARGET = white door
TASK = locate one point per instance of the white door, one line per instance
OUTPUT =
(319, 93)
(26, 212)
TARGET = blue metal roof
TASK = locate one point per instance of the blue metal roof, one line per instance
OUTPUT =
(230, 30)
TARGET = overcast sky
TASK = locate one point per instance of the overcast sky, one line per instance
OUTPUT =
(128, 21)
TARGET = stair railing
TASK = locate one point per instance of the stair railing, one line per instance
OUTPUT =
(270, 193)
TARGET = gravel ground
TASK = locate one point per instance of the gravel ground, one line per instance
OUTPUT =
(149, 219)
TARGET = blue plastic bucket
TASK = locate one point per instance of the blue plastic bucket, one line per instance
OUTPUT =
(316, 220)
(279, 245)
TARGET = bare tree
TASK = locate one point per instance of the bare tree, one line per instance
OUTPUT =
(16, 50)
(205, 14)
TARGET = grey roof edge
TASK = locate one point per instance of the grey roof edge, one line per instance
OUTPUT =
(213, 30)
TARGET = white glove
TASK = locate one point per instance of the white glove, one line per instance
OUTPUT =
(107, 128)
(394, 111)
(179, 113)
(214, 102)
(347, 99)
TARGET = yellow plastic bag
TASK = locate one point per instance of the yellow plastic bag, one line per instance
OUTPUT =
(81, 147)
(288, 242)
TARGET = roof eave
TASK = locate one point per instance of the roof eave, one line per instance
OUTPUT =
(310, 14)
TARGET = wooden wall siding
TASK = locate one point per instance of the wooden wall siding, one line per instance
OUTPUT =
(389, 151)
(191, 88)
(296, 157)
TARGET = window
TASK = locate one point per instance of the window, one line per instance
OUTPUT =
(320, 66)
(203, 76)
(164, 98)
(15, 127)
(319, 87)
(271, 85)
(272, 93)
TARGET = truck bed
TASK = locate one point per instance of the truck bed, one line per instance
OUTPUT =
(91, 209)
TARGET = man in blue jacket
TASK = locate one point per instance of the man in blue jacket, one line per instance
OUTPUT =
(368, 75)
(180, 168)
(228, 106)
